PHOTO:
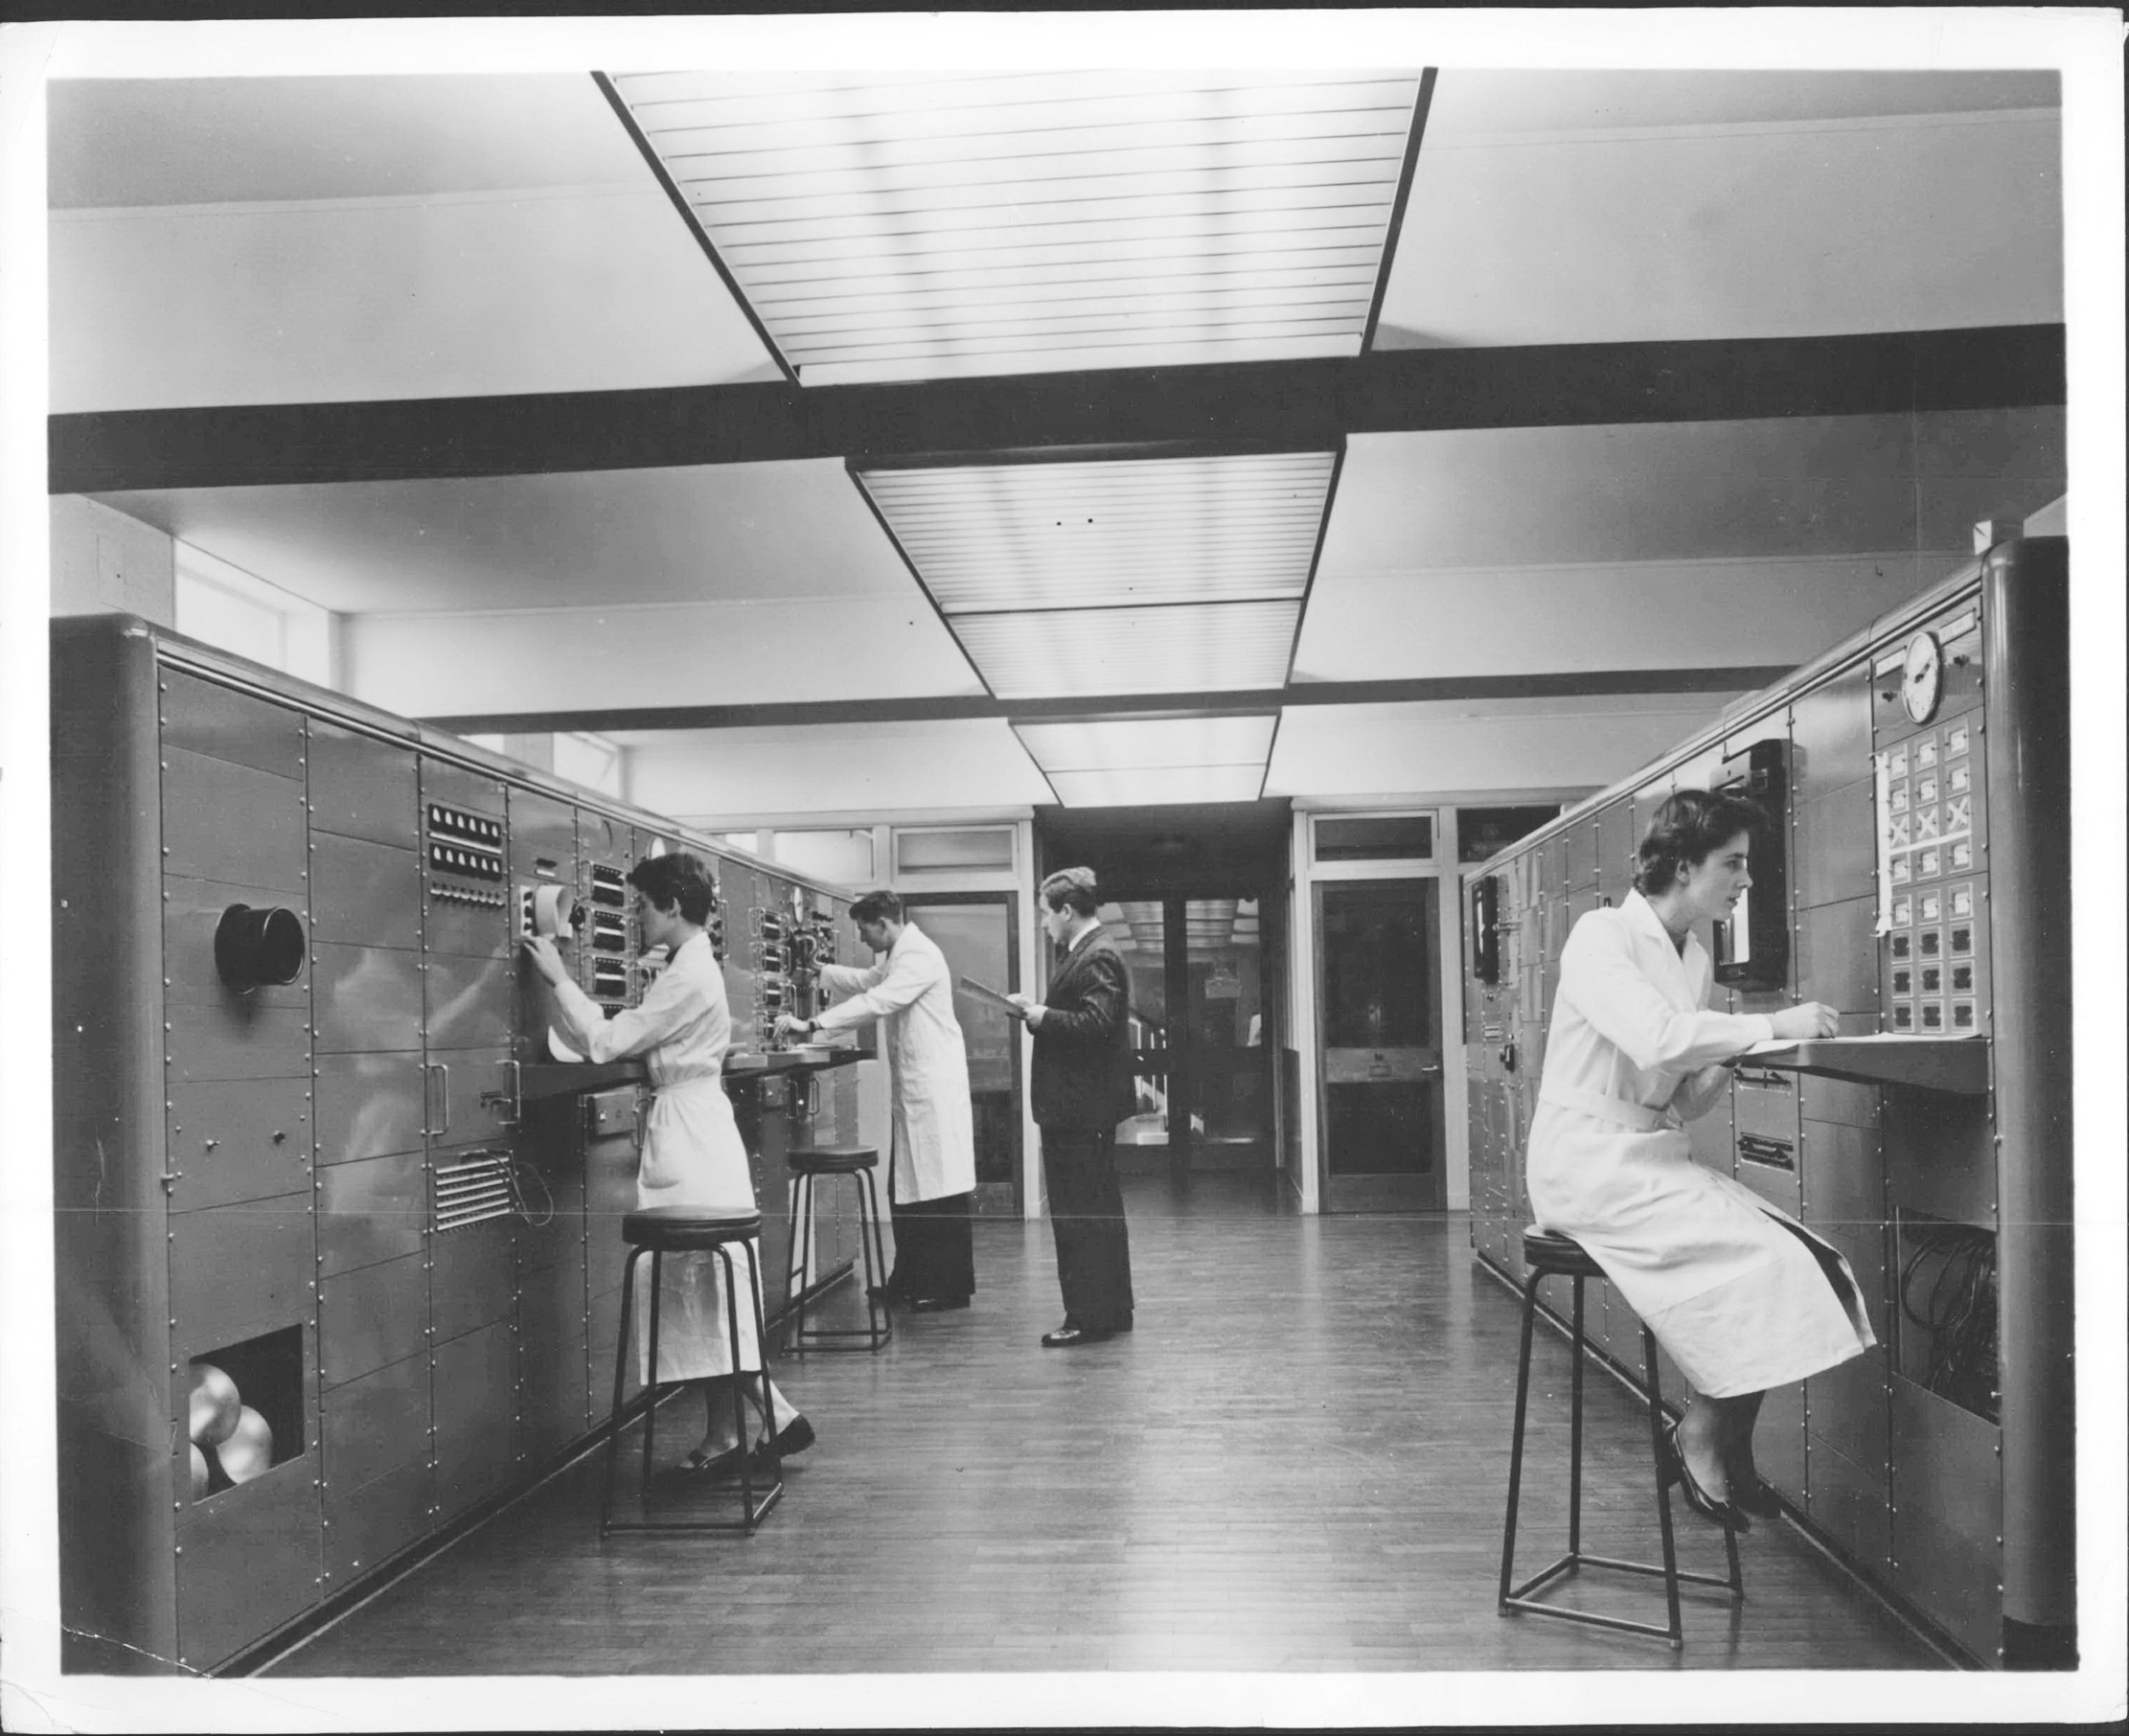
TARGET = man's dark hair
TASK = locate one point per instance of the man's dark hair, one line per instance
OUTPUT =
(1687, 828)
(1073, 886)
(877, 907)
(680, 877)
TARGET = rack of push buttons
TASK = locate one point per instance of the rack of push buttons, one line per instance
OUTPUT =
(1935, 880)
(466, 847)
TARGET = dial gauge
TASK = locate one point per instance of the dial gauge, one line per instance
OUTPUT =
(1922, 677)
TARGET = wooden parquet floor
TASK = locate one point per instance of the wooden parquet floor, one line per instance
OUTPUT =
(1296, 1464)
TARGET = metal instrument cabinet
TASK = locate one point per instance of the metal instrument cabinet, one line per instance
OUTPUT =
(1921, 820)
(329, 1177)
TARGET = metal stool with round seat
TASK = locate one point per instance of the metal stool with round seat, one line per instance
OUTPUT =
(1548, 1255)
(678, 1229)
(807, 1163)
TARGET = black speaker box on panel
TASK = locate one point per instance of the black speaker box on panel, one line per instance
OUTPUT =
(1752, 949)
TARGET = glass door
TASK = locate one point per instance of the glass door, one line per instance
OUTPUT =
(978, 932)
(1200, 1051)
(1379, 1047)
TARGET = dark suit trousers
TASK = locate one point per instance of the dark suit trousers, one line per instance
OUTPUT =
(1086, 1216)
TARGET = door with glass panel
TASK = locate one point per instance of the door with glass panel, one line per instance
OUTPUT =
(1201, 1054)
(1380, 1052)
(977, 931)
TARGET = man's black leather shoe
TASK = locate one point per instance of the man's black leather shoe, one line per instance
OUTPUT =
(933, 1305)
(1066, 1337)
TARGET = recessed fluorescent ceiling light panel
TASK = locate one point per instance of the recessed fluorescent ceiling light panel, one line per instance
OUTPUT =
(1119, 762)
(1157, 786)
(924, 227)
(1185, 647)
(1221, 527)
(1145, 743)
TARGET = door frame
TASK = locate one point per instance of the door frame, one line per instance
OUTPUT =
(1389, 1192)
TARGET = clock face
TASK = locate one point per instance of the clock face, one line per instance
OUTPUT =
(1922, 680)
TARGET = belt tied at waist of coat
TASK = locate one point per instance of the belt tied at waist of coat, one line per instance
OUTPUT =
(694, 1076)
(1637, 1116)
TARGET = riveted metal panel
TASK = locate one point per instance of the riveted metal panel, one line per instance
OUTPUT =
(363, 892)
(1829, 732)
(248, 1561)
(205, 717)
(1778, 1445)
(267, 1242)
(368, 1426)
(554, 1382)
(1764, 1103)
(554, 1234)
(1947, 1514)
(1851, 1411)
(370, 1524)
(1844, 1175)
(1579, 862)
(1837, 1100)
(1617, 844)
(472, 1096)
(238, 1141)
(372, 1317)
(192, 911)
(542, 838)
(365, 997)
(1940, 1157)
(372, 1210)
(1850, 1505)
(469, 1001)
(472, 1279)
(263, 1042)
(603, 1326)
(468, 931)
(473, 1379)
(368, 1105)
(458, 788)
(1777, 1187)
(362, 789)
(1836, 847)
(225, 822)
(1837, 958)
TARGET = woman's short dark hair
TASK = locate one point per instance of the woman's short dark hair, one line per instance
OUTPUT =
(1073, 886)
(681, 877)
(1687, 828)
(877, 907)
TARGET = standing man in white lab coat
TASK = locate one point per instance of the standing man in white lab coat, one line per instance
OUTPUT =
(932, 1174)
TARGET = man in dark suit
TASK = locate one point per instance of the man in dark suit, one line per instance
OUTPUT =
(1081, 1088)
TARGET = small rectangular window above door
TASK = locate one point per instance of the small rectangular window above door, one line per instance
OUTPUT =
(1374, 837)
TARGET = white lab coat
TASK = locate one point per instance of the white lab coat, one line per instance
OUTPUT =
(934, 1123)
(693, 1155)
(1736, 1298)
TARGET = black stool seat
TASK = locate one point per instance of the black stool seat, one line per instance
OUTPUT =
(830, 1159)
(1558, 1253)
(682, 1228)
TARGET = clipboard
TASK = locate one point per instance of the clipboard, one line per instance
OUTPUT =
(984, 992)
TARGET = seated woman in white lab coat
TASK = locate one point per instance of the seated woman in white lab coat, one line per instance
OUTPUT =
(1741, 1296)
(693, 1155)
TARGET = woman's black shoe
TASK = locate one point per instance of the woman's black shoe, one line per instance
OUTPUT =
(1755, 1496)
(1722, 1512)
(796, 1436)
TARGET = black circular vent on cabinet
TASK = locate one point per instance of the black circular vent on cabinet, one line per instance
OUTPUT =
(256, 948)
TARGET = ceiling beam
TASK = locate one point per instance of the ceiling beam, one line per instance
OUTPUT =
(1229, 406)
(1252, 702)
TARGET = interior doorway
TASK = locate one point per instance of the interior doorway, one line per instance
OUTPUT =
(1194, 900)
(1204, 1065)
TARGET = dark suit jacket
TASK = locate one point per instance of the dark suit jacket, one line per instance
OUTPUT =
(1083, 1057)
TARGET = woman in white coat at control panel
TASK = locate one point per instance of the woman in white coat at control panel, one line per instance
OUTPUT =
(693, 1155)
(1741, 1295)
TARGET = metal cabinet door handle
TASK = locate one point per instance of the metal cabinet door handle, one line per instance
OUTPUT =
(443, 1068)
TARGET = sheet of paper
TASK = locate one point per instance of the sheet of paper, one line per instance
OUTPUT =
(984, 992)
